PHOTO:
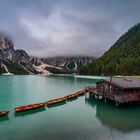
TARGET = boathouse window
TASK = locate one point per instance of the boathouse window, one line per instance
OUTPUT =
(106, 87)
(102, 89)
(110, 89)
(119, 92)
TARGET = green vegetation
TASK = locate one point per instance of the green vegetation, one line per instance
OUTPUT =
(71, 65)
(123, 58)
(14, 68)
(58, 71)
(2, 70)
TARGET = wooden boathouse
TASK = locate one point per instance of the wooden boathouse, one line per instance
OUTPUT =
(121, 90)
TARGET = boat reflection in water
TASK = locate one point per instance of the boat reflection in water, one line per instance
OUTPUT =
(57, 104)
(2, 119)
(30, 112)
(122, 118)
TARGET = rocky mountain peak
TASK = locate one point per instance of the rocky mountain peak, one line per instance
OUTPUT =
(5, 43)
(6, 48)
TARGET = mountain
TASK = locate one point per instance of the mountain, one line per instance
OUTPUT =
(19, 62)
(123, 58)
(69, 64)
(13, 61)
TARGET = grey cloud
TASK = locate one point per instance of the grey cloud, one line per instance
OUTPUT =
(67, 27)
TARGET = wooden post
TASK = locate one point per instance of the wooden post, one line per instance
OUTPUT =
(117, 104)
(96, 96)
(86, 95)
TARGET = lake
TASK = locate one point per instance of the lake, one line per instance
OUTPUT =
(80, 119)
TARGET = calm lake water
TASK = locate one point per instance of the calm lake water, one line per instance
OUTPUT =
(81, 119)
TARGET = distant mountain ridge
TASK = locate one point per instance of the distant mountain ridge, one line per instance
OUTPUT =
(123, 58)
(68, 64)
(19, 62)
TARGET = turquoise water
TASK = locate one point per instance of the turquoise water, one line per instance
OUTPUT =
(81, 119)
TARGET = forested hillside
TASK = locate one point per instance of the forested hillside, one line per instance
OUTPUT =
(123, 58)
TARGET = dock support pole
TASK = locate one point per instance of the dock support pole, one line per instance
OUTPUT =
(117, 104)
(86, 94)
(105, 100)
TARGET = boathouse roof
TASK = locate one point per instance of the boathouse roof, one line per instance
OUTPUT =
(125, 83)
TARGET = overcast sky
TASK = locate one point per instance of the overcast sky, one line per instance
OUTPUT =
(67, 27)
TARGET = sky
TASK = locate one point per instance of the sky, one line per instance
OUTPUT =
(47, 28)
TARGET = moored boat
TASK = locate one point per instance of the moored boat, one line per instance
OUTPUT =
(29, 107)
(31, 112)
(4, 113)
(81, 92)
(55, 101)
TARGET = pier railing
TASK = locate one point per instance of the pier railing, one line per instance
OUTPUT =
(106, 94)
(118, 98)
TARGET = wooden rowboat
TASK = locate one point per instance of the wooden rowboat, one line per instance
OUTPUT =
(31, 112)
(4, 113)
(80, 93)
(55, 101)
(29, 107)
